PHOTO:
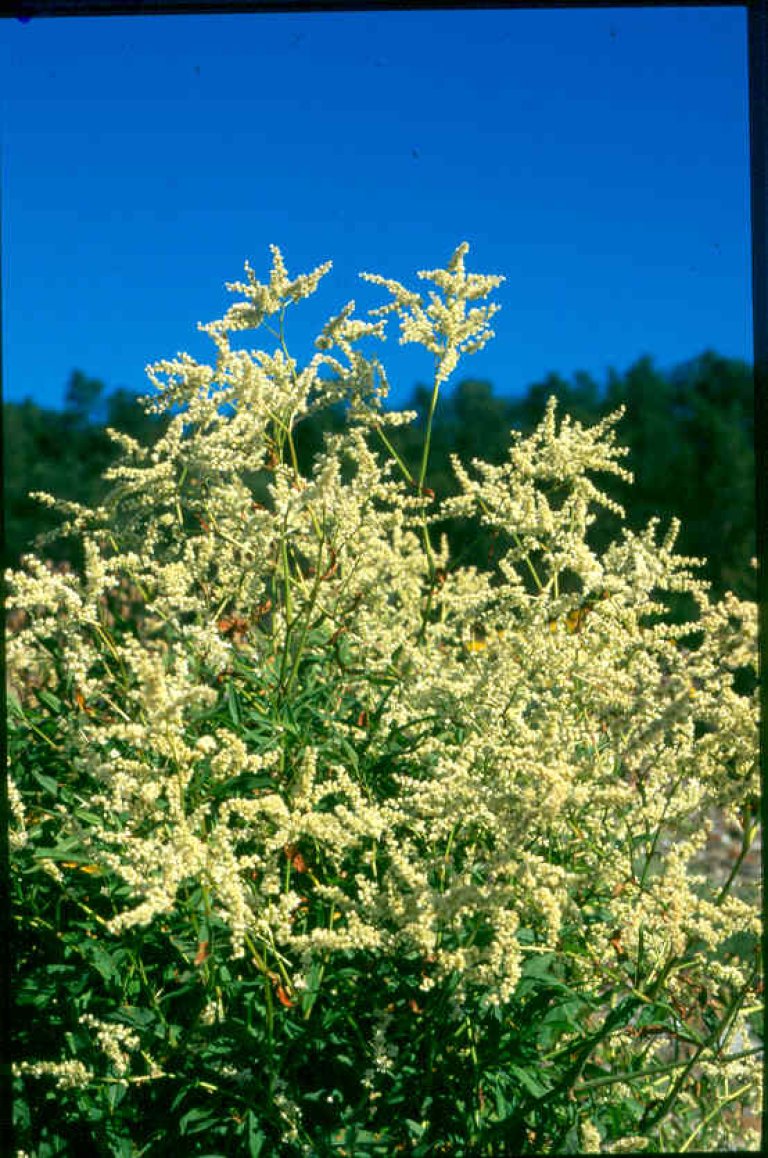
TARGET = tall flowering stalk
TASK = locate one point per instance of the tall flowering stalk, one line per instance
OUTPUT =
(321, 753)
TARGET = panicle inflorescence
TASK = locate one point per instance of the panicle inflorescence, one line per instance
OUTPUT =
(346, 756)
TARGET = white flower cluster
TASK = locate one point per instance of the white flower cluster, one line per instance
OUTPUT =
(18, 835)
(312, 728)
(116, 1041)
(444, 327)
(69, 1074)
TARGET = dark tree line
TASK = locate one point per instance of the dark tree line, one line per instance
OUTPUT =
(63, 452)
(689, 432)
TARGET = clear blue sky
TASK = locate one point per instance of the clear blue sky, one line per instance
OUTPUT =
(598, 159)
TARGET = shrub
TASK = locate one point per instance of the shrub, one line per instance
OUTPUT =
(326, 844)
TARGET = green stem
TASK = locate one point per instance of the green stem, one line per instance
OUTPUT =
(428, 436)
(747, 840)
(270, 1033)
(709, 1043)
(41, 734)
(713, 1113)
(404, 469)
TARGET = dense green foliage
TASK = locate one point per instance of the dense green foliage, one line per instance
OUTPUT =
(689, 432)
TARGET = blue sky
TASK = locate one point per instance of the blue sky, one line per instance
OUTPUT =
(599, 159)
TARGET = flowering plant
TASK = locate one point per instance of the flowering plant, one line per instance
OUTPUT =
(327, 843)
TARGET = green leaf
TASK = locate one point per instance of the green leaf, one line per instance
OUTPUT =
(233, 705)
(196, 1120)
(14, 704)
(256, 1138)
(530, 1083)
(50, 700)
(46, 782)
